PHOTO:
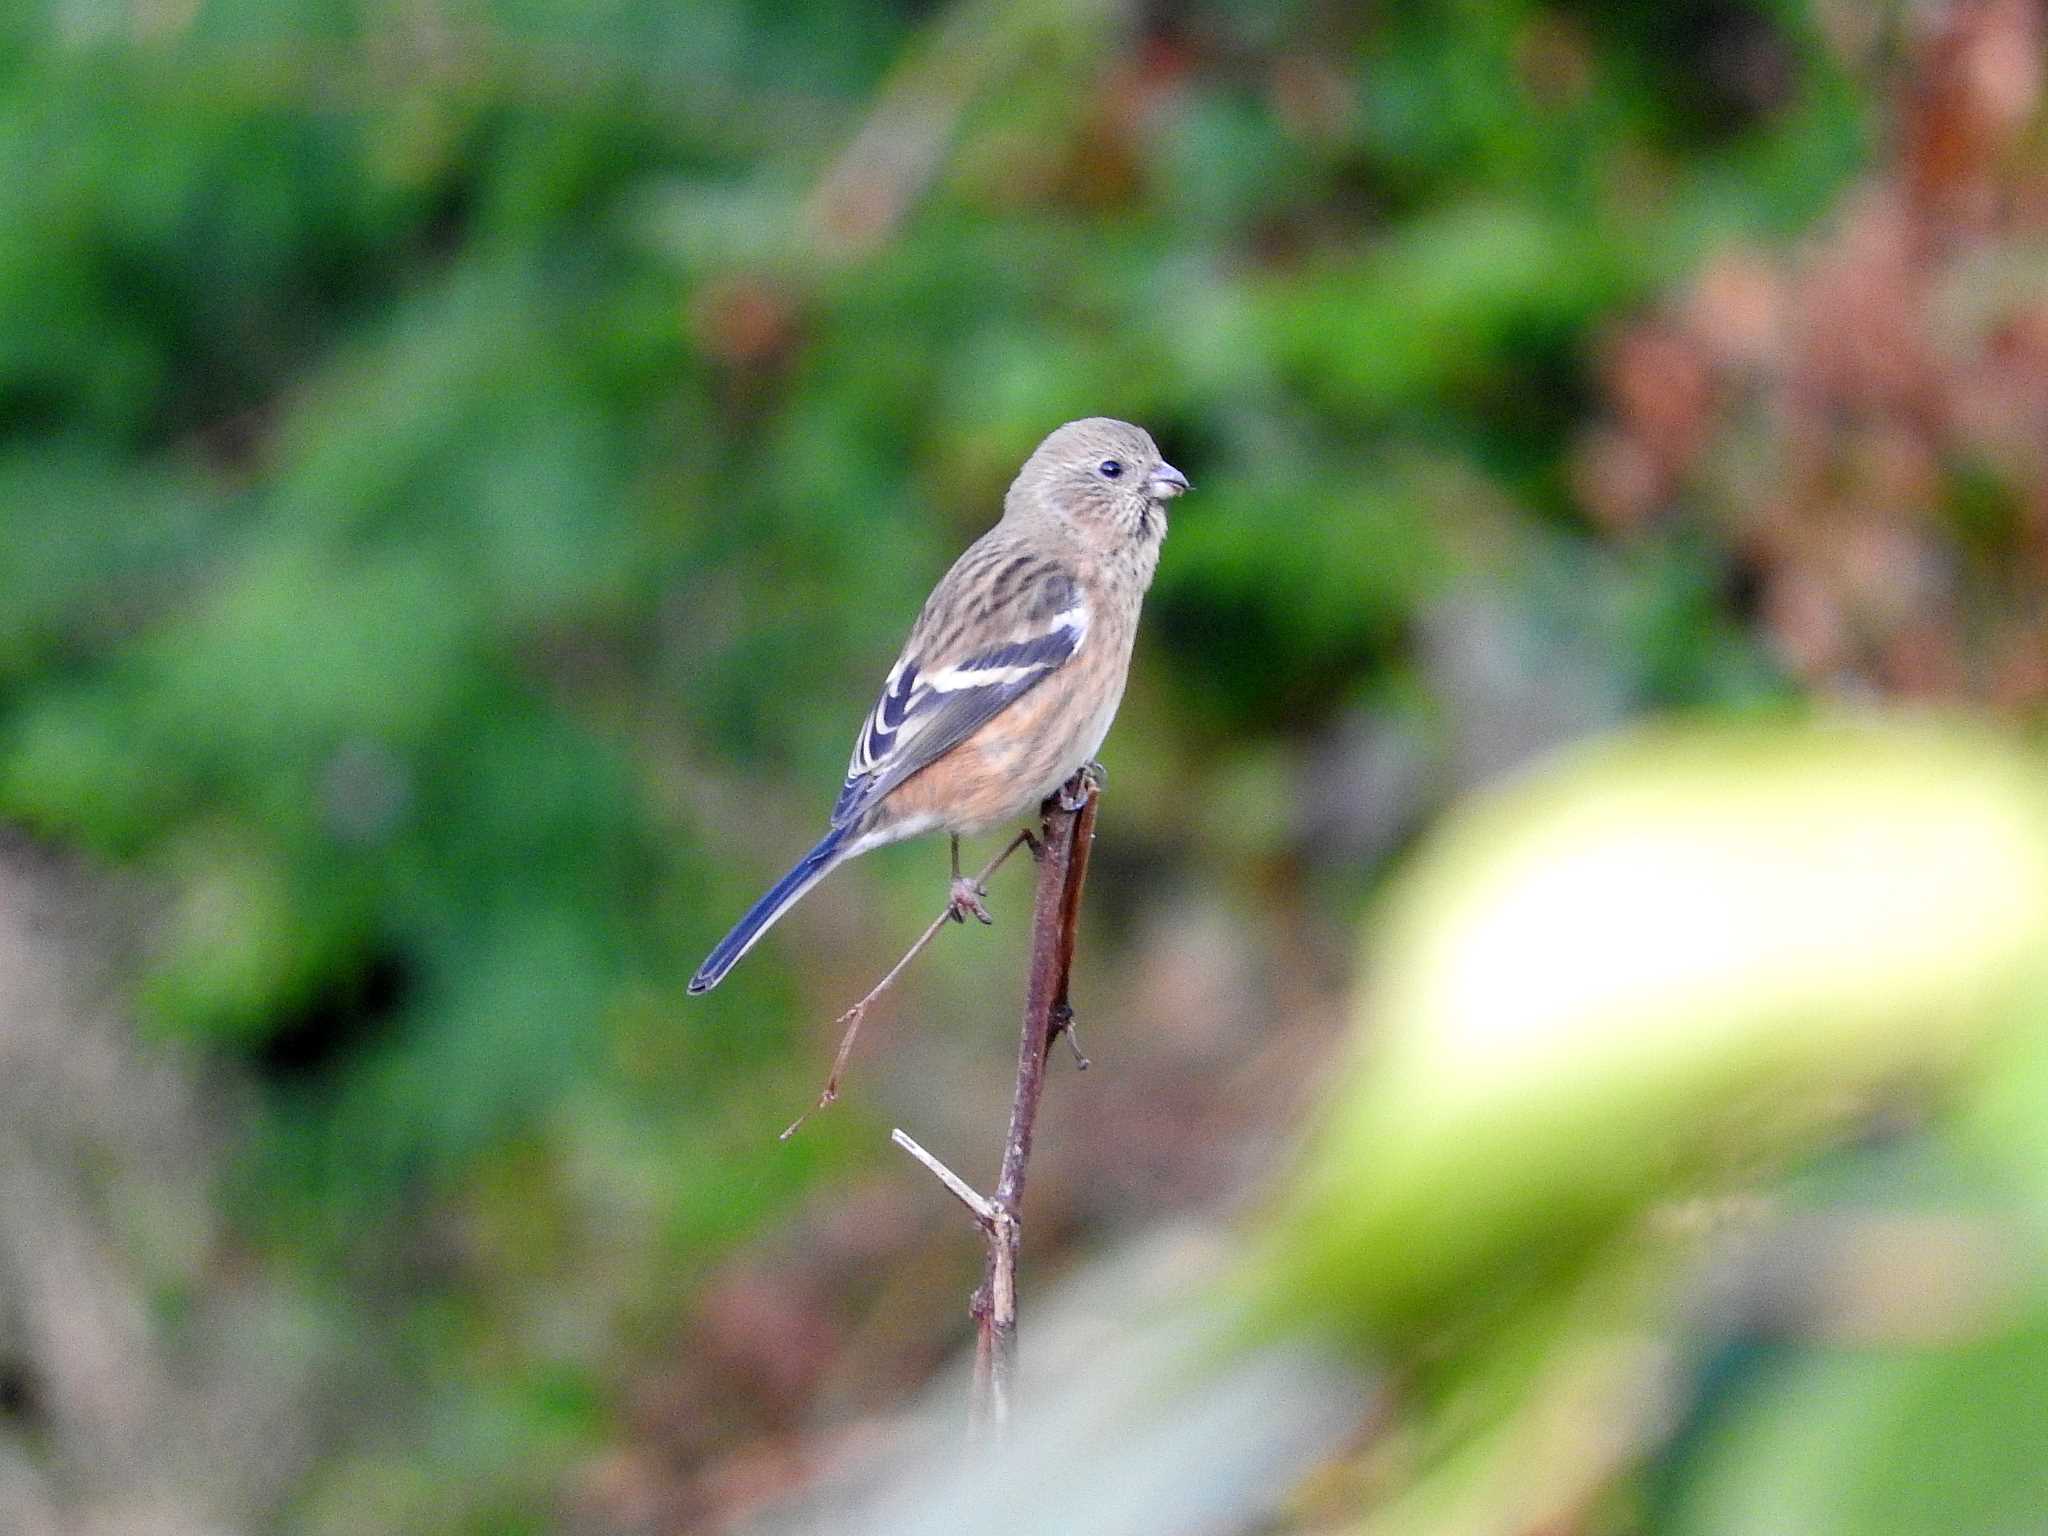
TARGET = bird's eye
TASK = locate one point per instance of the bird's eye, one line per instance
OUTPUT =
(1109, 469)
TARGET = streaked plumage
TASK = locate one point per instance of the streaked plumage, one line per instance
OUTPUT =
(1014, 668)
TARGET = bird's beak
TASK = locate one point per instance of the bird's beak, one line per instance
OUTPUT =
(1165, 482)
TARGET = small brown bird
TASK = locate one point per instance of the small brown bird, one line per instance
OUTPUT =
(1012, 672)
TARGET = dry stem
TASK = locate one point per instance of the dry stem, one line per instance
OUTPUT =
(1062, 867)
(859, 1011)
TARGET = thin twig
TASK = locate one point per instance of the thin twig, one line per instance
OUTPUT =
(965, 1193)
(859, 1011)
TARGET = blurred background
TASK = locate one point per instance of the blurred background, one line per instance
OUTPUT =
(465, 466)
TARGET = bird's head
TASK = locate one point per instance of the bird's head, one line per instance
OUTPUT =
(1104, 477)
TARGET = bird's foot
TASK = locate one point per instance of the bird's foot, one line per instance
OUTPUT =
(1086, 783)
(966, 899)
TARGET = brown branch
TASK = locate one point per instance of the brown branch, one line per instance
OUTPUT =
(853, 1016)
(1070, 919)
(1068, 831)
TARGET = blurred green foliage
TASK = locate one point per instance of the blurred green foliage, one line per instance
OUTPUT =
(399, 414)
(1631, 1021)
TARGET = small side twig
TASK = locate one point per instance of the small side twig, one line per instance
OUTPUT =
(859, 1011)
(1062, 867)
(978, 1204)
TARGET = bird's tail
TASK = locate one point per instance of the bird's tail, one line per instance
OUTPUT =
(783, 895)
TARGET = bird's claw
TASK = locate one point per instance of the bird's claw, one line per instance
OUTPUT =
(1088, 781)
(966, 898)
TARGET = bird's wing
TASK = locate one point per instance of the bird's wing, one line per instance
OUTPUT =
(1027, 617)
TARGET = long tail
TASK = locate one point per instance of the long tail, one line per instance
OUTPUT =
(783, 895)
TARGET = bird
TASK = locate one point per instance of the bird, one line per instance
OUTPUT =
(1012, 672)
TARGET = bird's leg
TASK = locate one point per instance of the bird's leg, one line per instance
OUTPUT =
(967, 893)
(1088, 781)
